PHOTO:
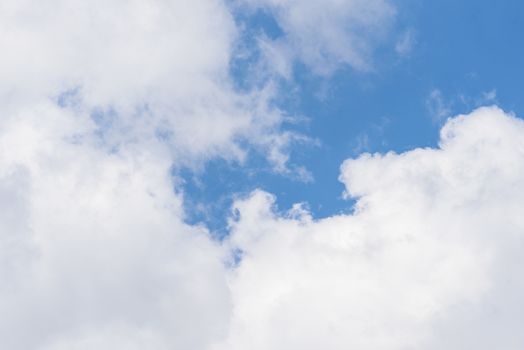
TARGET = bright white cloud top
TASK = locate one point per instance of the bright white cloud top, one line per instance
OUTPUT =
(433, 245)
(98, 101)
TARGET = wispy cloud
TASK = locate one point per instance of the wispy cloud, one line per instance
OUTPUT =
(326, 35)
(437, 106)
(406, 43)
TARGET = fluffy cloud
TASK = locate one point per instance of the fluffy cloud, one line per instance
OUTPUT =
(94, 253)
(142, 69)
(98, 100)
(325, 34)
(429, 259)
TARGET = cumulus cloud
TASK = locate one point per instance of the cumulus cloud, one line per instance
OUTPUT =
(98, 101)
(146, 69)
(94, 253)
(325, 35)
(428, 260)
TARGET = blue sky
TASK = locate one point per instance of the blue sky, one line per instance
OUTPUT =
(459, 55)
(152, 153)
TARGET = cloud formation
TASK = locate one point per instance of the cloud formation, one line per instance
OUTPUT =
(93, 250)
(143, 70)
(428, 259)
(325, 35)
(99, 100)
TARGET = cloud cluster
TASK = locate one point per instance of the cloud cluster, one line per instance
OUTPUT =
(143, 70)
(428, 260)
(93, 250)
(99, 99)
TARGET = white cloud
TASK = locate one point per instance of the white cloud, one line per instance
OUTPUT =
(429, 259)
(437, 106)
(94, 252)
(146, 67)
(98, 100)
(325, 34)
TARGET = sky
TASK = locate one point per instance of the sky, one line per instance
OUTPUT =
(440, 59)
(262, 174)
